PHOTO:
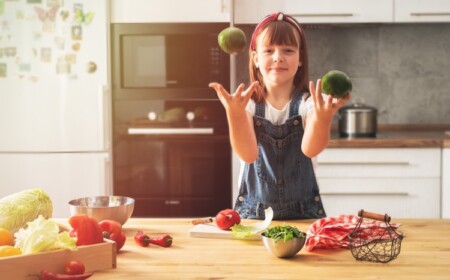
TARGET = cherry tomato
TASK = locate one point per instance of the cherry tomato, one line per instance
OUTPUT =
(74, 268)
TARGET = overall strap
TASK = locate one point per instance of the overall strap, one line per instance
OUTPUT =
(260, 110)
(295, 103)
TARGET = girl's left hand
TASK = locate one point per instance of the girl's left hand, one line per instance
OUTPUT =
(325, 108)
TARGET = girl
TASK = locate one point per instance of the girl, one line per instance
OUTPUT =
(282, 126)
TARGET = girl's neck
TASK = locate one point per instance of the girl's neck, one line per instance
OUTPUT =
(279, 96)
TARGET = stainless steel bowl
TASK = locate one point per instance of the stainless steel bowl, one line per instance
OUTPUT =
(283, 249)
(118, 208)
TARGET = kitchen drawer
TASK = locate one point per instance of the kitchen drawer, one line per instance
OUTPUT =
(422, 11)
(379, 163)
(400, 198)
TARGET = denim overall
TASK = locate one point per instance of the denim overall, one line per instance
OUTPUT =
(282, 177)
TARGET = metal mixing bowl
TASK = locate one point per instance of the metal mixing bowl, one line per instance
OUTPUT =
(283, 249)
(118, 208)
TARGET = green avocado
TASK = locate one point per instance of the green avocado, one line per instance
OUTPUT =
(232, 40)
(336, 83)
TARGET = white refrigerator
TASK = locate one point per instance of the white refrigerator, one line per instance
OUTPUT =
(54, 99)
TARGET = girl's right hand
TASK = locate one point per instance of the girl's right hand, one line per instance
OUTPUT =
(237, 101)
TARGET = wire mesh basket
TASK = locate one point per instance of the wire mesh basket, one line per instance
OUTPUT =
(379, 242)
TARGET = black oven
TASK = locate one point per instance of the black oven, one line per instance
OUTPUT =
(172, 157)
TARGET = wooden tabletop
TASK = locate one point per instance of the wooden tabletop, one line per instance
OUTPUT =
(425, 254)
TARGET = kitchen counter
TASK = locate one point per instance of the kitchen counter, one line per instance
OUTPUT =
(398, 136)
(425, 254)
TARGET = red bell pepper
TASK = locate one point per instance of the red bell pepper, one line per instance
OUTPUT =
(113, 230)
(85, 229)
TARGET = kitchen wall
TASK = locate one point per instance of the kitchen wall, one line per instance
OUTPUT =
(401, 69)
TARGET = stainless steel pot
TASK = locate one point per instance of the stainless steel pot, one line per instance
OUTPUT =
(357, 120)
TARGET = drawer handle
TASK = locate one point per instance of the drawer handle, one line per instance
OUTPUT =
(430, 14)
(170, 131)
(172, 202)
(365, 193)
(402, 163)
(323, 15)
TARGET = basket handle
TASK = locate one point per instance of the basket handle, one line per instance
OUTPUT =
(374, 216)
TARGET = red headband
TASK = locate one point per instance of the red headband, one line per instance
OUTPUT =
(270, 18)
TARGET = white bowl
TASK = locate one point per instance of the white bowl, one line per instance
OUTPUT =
(118, 208)
(283, 249)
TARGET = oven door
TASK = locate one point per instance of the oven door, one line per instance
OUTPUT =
(172, 172)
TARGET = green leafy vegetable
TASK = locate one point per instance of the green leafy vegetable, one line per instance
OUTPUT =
(284, 233)
(240, 231)
(43, 235)
(17, 209)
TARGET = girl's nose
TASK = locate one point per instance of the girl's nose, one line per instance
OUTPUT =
(277, 56)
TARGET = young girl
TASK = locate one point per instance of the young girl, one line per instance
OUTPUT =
(285, 123)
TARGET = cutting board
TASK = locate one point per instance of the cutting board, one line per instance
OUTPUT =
(212, 231)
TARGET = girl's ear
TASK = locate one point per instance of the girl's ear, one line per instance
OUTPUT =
(254, 58)
(299, 64)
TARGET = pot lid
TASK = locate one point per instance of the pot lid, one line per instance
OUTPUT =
(358, 105)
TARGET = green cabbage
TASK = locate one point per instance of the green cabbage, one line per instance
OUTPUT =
(43, 235)
(17, 209)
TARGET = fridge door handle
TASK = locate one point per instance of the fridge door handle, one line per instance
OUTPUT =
(105, 116)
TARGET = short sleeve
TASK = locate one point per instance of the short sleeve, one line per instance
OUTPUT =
(305, 106)
(251, 107)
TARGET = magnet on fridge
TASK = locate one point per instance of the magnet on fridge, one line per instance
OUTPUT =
(91, 67)
(77, 32)
(3, 71)
(76, 46)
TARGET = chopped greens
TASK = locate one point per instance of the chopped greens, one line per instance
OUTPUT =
(284, 233)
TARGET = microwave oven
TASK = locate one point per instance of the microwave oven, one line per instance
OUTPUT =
(167, 60)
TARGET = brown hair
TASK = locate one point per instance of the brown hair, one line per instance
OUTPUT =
(280, 32)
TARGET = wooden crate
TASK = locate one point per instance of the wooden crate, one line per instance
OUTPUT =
(95, 257)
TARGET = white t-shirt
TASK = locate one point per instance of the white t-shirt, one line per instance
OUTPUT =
(276, 116)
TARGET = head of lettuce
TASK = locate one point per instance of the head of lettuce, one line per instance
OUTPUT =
(17, 209)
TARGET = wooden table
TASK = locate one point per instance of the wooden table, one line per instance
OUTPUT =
(425, 254)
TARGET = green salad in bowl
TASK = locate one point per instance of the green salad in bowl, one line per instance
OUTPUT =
(284, 241)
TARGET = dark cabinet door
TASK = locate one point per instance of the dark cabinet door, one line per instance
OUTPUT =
(185, 176)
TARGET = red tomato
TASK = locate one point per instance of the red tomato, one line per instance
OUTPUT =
(227, 218)
(74, 268)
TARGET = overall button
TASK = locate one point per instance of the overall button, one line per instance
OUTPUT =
(258, 123)
(296, 122)
(320, 211)
(316, 198)
(241, 198)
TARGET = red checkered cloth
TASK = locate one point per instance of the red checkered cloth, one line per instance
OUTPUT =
(332, 232)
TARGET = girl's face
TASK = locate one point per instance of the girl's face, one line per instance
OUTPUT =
(276, 63)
